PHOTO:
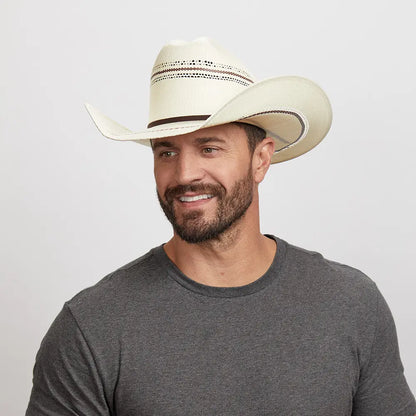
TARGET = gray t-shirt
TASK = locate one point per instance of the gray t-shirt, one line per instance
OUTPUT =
(309, 337)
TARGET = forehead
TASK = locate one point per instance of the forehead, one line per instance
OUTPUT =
(227, 134)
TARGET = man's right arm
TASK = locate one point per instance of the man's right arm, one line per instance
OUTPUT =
(65, 378)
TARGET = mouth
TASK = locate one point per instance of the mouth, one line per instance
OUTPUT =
(194, 198)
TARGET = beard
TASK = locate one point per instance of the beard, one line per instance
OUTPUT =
(192, 227)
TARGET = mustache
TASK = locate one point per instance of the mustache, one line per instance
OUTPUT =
(212, 189)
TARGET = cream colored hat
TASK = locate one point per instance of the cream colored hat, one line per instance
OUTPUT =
(198, 84)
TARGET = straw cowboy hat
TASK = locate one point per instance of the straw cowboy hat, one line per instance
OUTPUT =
(198, 84)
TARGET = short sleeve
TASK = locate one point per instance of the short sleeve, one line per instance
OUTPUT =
(65, 379)
(383, 390)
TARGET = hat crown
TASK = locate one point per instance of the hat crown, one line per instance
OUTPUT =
(193, 79)
(202, 50)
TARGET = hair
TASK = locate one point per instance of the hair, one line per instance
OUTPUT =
(255, 134)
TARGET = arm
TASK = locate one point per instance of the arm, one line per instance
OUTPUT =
(65, 378)
(383, 389)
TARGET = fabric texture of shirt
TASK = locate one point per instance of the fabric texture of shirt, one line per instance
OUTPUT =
(309, 337)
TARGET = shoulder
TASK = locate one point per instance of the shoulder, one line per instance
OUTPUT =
(340, 297)
(133, 273)
(317, 269)
(317, 281)
(124, 288)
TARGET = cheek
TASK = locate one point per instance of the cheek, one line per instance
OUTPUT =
(163, 179)
(232, 173)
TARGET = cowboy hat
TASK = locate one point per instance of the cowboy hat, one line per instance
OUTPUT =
(198, 84)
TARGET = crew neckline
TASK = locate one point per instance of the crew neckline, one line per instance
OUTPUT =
(225, 292)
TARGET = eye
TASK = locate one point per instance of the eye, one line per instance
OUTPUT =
(167, 154)
(209, 150)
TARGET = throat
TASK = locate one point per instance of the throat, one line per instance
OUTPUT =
(224, 263)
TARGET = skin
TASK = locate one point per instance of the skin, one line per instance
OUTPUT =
(216, 155)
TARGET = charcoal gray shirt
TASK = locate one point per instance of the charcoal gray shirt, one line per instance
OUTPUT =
(309, 337)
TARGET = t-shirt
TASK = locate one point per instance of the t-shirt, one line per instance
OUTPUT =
(309, 337)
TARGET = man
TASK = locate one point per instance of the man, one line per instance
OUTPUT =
(222, 320)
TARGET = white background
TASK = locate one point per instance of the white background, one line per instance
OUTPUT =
(75, 206)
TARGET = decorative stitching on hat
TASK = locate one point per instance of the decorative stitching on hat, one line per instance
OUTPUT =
(276, 111)
(174, 128)
(204, 69)
(233, 74)
(300, 119)
(201, 75)
(199, 62)
(272, 111)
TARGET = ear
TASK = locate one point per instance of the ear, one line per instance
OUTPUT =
(262, 157)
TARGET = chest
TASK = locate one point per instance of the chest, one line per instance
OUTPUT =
(211, 362)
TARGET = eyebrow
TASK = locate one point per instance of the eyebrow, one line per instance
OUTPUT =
(157, 144)
(198, 140)
(204, 140)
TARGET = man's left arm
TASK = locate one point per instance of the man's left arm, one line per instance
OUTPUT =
(383, 390)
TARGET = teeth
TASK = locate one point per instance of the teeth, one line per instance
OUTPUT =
(194, 198)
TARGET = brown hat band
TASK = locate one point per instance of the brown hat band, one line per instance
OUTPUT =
(177, 119)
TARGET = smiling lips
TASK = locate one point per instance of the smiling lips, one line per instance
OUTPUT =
(194, 198)
(193, 194)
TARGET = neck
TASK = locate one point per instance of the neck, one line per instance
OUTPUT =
(237, 257)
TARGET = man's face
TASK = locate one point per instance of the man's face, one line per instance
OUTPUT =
(204, 180)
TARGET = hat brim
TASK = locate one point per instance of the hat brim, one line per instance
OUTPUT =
(292, 110)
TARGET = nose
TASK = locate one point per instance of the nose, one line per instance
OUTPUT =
(188, 168)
